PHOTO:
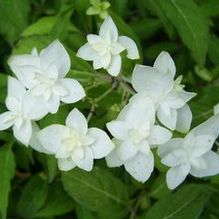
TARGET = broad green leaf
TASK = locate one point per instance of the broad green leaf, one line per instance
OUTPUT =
(14, 18)
(154, 7)
(3, 87)
(210, 8)
(146, 28)
(51, 168)
(43, 26)
(33, 197)
(26, 45)
(191, 25)
(159, 188)
(187, 203)
(7, 170)
(213, 50)
(98, 191)
(57, 203)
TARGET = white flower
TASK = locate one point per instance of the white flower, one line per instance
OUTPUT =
(19, 114)
(135, 133)
(216, 109)
(74, 144)
(169, 97)
(43, 74)
(104, 49)
(192, 154)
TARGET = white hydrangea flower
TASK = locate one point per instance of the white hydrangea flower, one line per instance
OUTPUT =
(19, 114)
(74, 144)
(43, 75)
(169, 97)
(216, 109)
(135, 133)
(192, 154)
(104, 49)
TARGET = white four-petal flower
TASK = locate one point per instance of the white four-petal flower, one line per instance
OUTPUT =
(43, 75)
(135, 133)
(192, 154)
(169, 97)
(104, 49)
(19, 115)
(74, 144)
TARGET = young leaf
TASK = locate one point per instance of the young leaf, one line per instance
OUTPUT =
(191, 25)
(7, 169)
(186, 203)
(98, 191)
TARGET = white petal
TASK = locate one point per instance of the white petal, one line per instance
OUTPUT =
(184, 119)
(24, 67)
(131, 47)
(34, 141)
(51, 137)
(115, 65)
(174, 158)
(87, 162)
(216, 109)
(52, 105)
(109, 27)
(75, 90)
(6, 120)
(33, 107)
(147, 79)
(212, 162)
(168, 147)
(168, 119)
(139, 113)
(127, 150)
(102, 145)
(113, 159)
(23, 133)
(66, 164)
(76, 120)
(203, 144)
(159, 135)
(15, 88)
(56, 55)
(209, 127)
(165, 64)
(94, 39)
(86, 52)
(174, 177)
(118, 129)
(141, 166)
(97, 62)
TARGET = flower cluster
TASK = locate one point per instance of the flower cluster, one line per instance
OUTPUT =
(145, 125)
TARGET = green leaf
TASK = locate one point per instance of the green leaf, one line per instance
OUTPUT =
(210, 8)
(33, 197)
(191, 25)
(213, 50)
(7, 170)
(43, 26)
(202, 106)
(3, 87)
(98, 191)
(186, 203)
(14, 18)
(26, 45)
(57, 203)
